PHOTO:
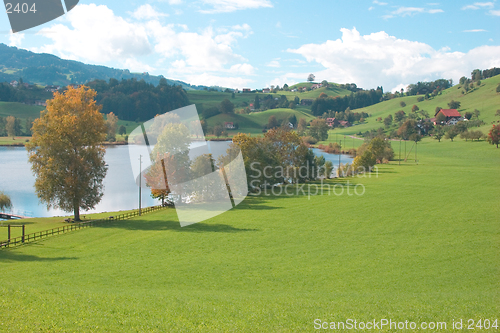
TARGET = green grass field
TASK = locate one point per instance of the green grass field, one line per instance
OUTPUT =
(421, 244)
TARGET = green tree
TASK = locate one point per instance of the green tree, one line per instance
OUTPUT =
(10, 126)
(438, 133)
(476, 113)
(256, 102)
(494, 135)
(218, 129)
(111, 125)
(272, 122)
(311, 77)
(407, 129)
(319, 129)
(328, 169)
(5, 201)
(498, 88)
(66, 154)
(122, 130)
(497, 113)
(402, 103)
(28, 125)
(226, 106)
(414, 108)
(440, 118)
(388, 120)
(302, 126)
(399, 116)
(454, 104)
(451, 133)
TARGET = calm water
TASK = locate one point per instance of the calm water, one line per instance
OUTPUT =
(120, 190)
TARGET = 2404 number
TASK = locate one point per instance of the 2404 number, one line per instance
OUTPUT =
(20, 8)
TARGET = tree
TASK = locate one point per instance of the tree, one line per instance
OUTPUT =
(494, 135)
(438, 133)
(272, 122)
(454, 104)
(122, 130)
(10, 126)
(440, 118)
(4, 201)
(302, 126)
(399, 116)
(497, 113)
(388, 120)
(476, 113)
(28, 125)
(403, 104)
(451, 133)
(111, 124)
(256, 102)
(67, 154)
(414, 108)
(319, 129)
(468, 115)
(328, 169)
(226, 106)
(408, 128)
(311, 77)
(498, 88)
(218, 129)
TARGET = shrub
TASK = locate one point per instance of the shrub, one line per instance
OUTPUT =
(309, 140)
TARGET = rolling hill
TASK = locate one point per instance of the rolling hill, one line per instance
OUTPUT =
(47, 69)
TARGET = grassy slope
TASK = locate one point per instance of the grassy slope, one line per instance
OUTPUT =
(485, 99)
(421, 245)
(255, 121)
(19, 110)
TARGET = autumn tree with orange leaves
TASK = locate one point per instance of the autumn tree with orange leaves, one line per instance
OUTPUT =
(66, 151)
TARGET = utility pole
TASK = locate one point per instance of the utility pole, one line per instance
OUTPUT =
(416, 152)
(339, 156)
(399, 151)
(140, 182)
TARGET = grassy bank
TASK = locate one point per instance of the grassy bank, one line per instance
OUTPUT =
(421, 244)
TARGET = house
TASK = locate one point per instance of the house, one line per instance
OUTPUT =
(52, 88)
(316, 86)
(266, 90)
(306, 102)
(345, 123)
(251, 107)
(247, 90)
(293, 90)
(40, 102)
(450, 114)
(332, 122)
(14, 84)
(290, 125)
(229, 125)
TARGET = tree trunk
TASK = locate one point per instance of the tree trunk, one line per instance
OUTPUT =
(76, 210)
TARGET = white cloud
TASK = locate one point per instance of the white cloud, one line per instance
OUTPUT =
(15, 39)
(174, 2)
(375, 59)
(274, 63)
(475, 30)
(478, 5)
(380, 3)
(147, 12)
(495, 12)
(95, 34)
(136, 66)
(410, 11)
(226, 6)
(208, 79)
(245, 69)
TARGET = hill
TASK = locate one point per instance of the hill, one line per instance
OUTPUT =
(483, 98)
(47, 69)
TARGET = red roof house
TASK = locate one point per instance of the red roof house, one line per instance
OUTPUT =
(449, 114)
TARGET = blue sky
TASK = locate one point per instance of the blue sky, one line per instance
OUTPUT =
(258, 43)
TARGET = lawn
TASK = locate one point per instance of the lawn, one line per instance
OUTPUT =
(421, 244)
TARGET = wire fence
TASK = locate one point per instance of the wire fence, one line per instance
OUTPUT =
(12, 242)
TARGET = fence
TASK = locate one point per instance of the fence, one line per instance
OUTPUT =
(12, 242)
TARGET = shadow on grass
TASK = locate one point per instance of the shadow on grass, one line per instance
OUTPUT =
(9, 256)
(172, 226)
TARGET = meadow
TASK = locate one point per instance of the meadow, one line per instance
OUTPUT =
(421, 244)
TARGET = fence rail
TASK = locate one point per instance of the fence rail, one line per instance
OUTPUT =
(12, 242)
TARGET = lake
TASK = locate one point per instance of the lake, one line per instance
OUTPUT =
(120, 190)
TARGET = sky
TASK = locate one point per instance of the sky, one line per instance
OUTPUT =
(259, 43)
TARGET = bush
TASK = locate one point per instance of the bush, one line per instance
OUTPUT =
(309, 140)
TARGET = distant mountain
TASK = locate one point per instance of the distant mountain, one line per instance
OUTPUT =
(47, 69)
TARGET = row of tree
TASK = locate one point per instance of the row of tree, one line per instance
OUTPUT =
(356, 100)
(11, 126)
(137, 100)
